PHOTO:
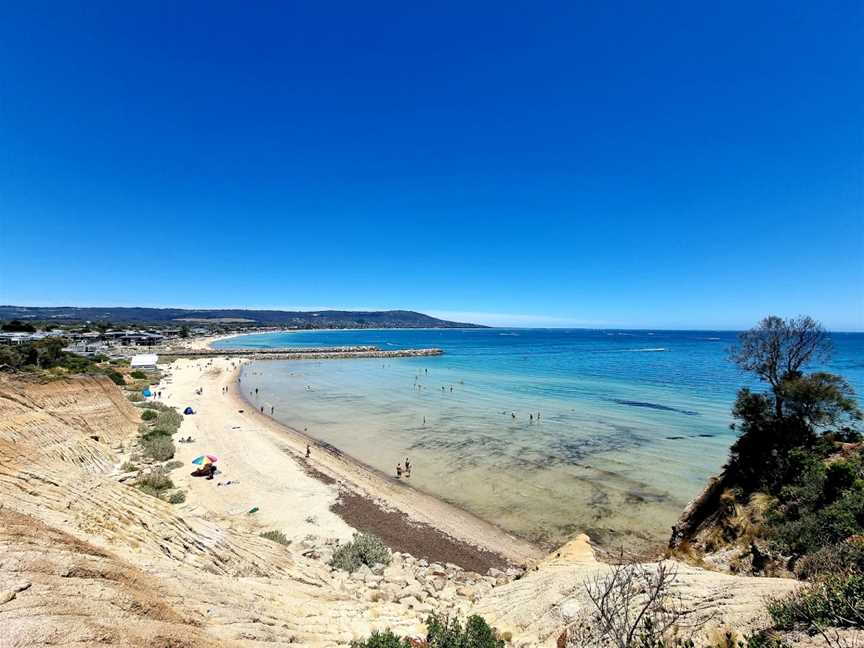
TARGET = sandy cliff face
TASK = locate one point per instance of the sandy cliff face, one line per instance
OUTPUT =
(86, 560)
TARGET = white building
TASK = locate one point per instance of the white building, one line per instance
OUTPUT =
(144, 361)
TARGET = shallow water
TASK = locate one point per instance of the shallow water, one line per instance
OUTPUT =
(631, 423)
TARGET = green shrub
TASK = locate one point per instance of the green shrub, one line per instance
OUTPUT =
(154, 483)
(148, 415)
(761, 639)
(156, 405)
(135, 397)
(276, 536)
(833, 559)
(444, 632)
(128, 466)
(384, 639)
(364, 549)
(147, 432)
(138, 375)
(115, 376)
(820, 505)
(158, 447)
(835, 601)
(177, 498)
(441, 632)
(169, 419)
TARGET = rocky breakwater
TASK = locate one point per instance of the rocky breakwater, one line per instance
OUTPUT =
(311, 353)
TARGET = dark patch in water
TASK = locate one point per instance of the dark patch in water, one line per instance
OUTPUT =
(654, 406)
(675, 438)
(706, 436)
(643, 497)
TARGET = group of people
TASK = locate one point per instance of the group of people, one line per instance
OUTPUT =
(406, 471)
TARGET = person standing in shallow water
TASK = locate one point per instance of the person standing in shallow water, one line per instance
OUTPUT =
(398, 471)
(407, 467)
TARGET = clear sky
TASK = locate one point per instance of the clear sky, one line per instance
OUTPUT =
(668, 164)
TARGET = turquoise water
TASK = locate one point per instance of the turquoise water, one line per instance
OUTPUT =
(631, 423)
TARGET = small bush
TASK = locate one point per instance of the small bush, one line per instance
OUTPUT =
(148, 415)
(834, 559)
(154, 483)
(441, 632)
(138, 374)
(169, 419)
(115, 376)
(158, 447)
(128, 466)
(172, 465)
(276, 536)
(384, 639)
(835, 601)
(364, 549)
(135, 397)
(177, 498)
(444, 632)
(156, 405)
(756, 640)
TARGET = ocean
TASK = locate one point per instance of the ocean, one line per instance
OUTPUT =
(544, 432)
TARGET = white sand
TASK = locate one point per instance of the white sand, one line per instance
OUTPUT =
(261, 474)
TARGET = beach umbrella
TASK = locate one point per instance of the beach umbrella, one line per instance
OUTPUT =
(203, 460)
(147, 393)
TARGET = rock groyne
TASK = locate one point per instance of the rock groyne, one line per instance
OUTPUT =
(307, 353)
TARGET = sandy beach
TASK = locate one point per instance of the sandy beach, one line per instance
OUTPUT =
(262, 466)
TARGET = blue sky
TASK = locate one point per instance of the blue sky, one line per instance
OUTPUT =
(533, 163)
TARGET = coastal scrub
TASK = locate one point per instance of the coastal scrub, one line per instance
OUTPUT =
(364, 549)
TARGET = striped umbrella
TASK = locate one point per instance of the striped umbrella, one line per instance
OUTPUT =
(203, 460)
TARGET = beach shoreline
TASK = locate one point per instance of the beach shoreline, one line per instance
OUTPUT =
(362, 497)
(357, 479)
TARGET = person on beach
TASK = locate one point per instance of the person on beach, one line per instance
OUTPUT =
(272, 409)
(399, 471)
(308, 451)
(407, 467)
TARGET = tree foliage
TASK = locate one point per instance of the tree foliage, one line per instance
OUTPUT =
(795, 411)
(17, 326)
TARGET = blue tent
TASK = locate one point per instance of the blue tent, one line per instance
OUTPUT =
(147, 393)
(188, 410)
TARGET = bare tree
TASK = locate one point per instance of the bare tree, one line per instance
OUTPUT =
(776, 350)
(637, 604)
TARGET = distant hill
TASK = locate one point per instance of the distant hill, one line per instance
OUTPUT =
(178, 316)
